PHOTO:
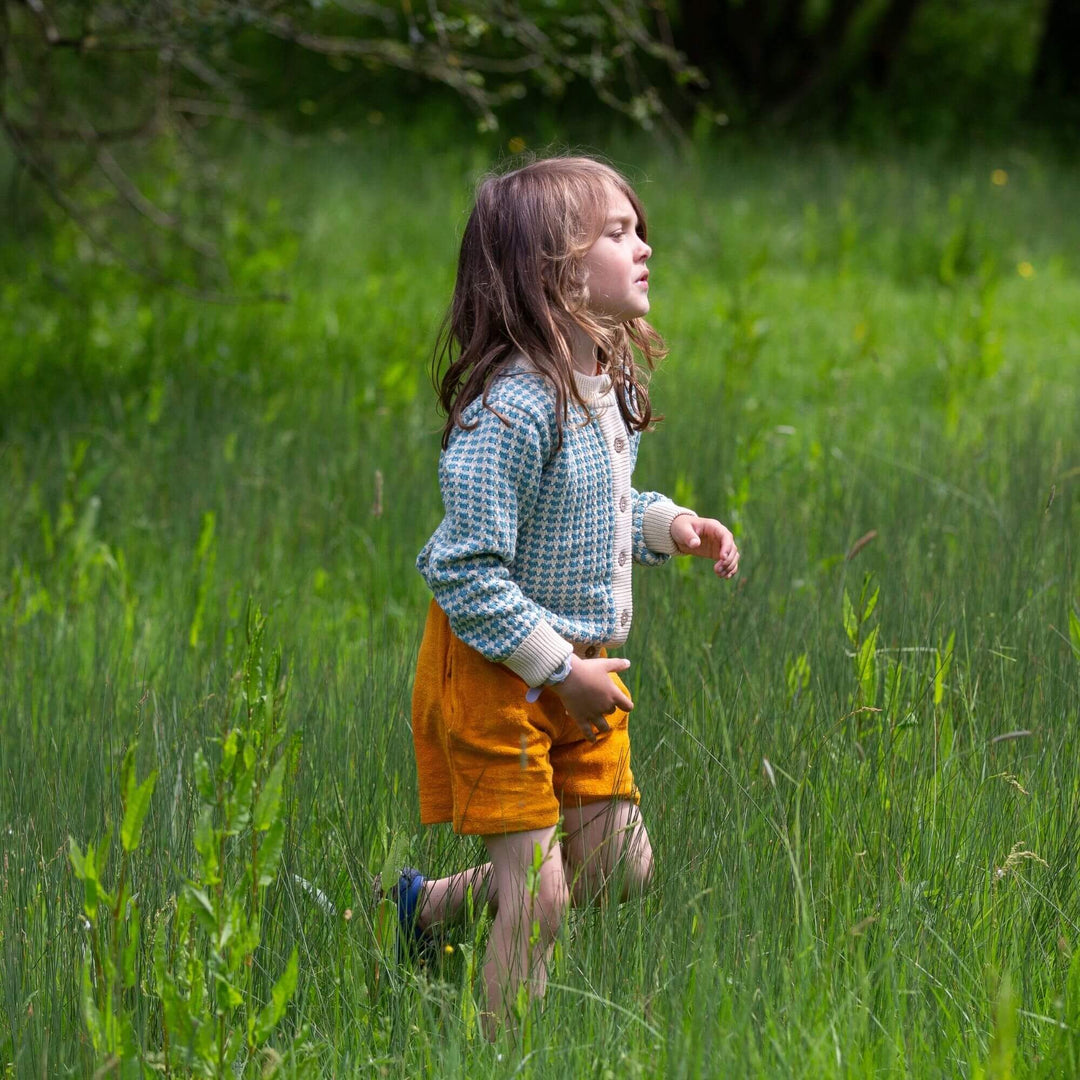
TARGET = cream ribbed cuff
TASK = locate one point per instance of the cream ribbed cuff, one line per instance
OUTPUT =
(540, 655)
(656, 526)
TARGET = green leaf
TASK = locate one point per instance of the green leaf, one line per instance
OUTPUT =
(204, 908)
(386, 924)
(871, 604)
(78, 860)
(225, 935)
(942, 663)
(1072, 992)
(851, 624)
(137, 804)
(1003, 1031)
(229, 997)
(131, 948)
(280, 997)
(206, 844)
(91, 889)
(247, 933)
(239, 802)
(228, 752)
(204, 782)
(91, 1013)
(395, 859)
(269, 802)
(127, 772)
(945, 737)
(270, 852)
(867, 667)
(1074, 631)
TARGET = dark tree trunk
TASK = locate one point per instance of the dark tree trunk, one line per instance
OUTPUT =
(765, 55)
(887, 39)
(1057, 72)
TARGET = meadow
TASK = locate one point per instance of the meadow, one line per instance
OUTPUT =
(860, 761)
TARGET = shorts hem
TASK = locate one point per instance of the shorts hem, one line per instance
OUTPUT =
(633, 796)
(493, 828)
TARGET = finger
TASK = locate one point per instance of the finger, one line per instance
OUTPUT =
(684, 529)
(616, 663)
(622, 701)
(602, 725)
(586, 729)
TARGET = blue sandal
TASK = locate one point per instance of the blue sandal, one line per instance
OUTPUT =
(412, 941)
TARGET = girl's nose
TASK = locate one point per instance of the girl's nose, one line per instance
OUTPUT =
(644, 252)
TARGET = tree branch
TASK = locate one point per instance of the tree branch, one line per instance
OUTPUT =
(74, 212)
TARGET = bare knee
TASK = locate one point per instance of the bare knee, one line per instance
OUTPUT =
(537, 913)
(610, 853)
(636, 871)
(549, 906)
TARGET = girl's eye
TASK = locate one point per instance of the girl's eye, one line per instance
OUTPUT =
(618, 234)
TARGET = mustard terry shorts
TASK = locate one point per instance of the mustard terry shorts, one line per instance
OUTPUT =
(489, 761)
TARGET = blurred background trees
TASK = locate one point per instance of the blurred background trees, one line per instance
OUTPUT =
(94, 92)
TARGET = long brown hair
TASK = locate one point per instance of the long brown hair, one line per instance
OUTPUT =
(521, 288)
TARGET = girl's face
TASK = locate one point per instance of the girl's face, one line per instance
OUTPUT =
(617, 277)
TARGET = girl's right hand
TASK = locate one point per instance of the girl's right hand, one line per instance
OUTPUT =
(590, 694)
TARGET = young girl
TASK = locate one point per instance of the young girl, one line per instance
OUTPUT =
(519, 715)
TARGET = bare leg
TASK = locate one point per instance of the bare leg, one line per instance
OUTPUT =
(605, 840)
(443, 899)
(527, 920)
(602, 839)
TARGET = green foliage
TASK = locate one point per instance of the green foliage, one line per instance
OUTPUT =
(1062, 1057)
(831, 915)
(863, 642)
(110, 963)
(965, 68)
(211, 1022)
(1000, 1063)
(206, 940)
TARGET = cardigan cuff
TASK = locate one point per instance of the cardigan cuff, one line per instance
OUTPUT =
(656, 526)
(540, 655)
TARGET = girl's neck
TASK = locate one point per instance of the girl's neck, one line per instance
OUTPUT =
(583, 350)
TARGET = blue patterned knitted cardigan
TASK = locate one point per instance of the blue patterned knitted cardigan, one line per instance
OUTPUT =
(526, 562)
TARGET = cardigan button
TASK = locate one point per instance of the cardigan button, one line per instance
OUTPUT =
(620, 444)
(622, 558)
(591, 652)
(625, 620)
(624, 502)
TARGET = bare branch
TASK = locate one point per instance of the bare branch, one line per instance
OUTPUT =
(74, 212)
(141, 204)
(203, 107)
(486, 51)
(112, 135)
(208, 75)
(48, 27)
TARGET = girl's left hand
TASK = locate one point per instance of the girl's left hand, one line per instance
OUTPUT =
(709, 539)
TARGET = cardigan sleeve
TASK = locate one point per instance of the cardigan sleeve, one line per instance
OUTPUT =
(490, 478)
(653, 514)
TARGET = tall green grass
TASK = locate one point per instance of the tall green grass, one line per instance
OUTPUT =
(857, 874)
